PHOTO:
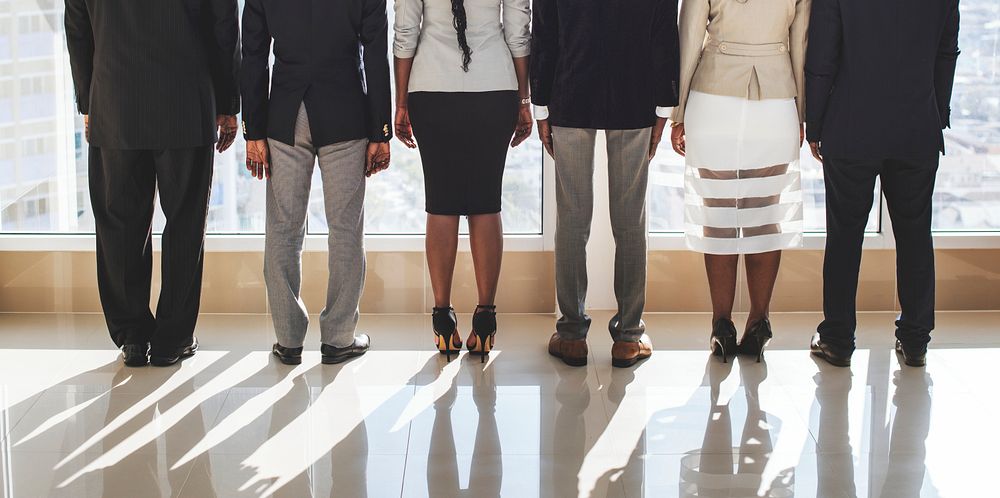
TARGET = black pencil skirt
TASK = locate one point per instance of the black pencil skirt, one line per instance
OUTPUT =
(463, 138)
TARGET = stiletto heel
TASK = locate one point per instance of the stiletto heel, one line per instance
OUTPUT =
(446, 336)
(756, 339)
(723, 341)
(484, 328)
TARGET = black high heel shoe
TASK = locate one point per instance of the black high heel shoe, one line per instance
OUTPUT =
(756, 338)
(446, 336)
(484, 328)
(723, 340)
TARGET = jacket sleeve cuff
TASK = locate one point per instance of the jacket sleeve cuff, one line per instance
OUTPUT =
(253, 132)
(813, 133)
(404, 53)
(382, 133)
(228, 107)
(541, 112)
(520, 51)
(677, 115)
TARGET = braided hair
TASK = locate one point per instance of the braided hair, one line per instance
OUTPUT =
(461, 22)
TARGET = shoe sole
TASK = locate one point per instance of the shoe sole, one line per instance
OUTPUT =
(569, 361)
(288, 360)
(620, 363)
(333, 360)
(827, 359)
(909, 362)
(166, 362)
(136, 364)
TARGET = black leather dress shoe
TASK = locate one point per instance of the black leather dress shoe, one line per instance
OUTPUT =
(165, 360)
(912, 358)
(136, 355)
(332, 355)
(288, 356)
(832, 355)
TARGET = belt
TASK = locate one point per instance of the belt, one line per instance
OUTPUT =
(747, 49)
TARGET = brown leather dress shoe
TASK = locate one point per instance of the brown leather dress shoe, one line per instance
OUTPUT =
(625, 354)
(572, 353)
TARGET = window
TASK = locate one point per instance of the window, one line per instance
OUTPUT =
(42, 150)
(34, 105)
(967, 196)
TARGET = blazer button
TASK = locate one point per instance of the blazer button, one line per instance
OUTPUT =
(723, 47)
(781, 48)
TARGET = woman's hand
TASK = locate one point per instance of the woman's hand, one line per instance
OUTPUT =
(376, 158)
(802, 134)
(677, 139)
(258, 160)
(524, 124)
(404, 132)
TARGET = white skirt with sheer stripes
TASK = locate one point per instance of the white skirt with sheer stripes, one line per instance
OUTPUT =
(743, 190)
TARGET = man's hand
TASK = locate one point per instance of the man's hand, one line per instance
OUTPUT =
(404, 131)
(545, 135)
(654, 140)
(523, 128)
(377, 158)
(802, 134)
(677, 139)
(814, 147)
(227, 131)
(86, 126)
(258, 159)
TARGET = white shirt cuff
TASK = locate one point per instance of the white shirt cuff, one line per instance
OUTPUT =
(663, 112)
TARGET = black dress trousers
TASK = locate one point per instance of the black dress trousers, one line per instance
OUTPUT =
(908, 185)
(123, 186)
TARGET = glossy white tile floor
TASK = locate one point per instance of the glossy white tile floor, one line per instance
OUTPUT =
(401, 421)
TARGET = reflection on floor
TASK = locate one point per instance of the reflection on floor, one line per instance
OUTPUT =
(402, 421)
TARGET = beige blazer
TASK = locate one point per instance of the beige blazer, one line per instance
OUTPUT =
(743, 48)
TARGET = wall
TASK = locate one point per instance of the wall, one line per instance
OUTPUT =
(968, 279)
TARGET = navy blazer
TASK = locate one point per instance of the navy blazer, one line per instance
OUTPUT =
(604, 64)
(334, 56)
(153, 74)
(879, 76)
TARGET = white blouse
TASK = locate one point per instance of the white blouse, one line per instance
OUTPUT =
(498, 30)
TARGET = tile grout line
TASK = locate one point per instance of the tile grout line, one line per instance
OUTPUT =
(406, 452)
(195, 462)
(37, 397)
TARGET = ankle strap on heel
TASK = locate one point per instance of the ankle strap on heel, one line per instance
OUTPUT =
(484, 320)
(444, 320)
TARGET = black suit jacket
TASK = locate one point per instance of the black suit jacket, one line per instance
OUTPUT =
(879, 76)
(604, 64)
(153, 74)
(331, 55)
